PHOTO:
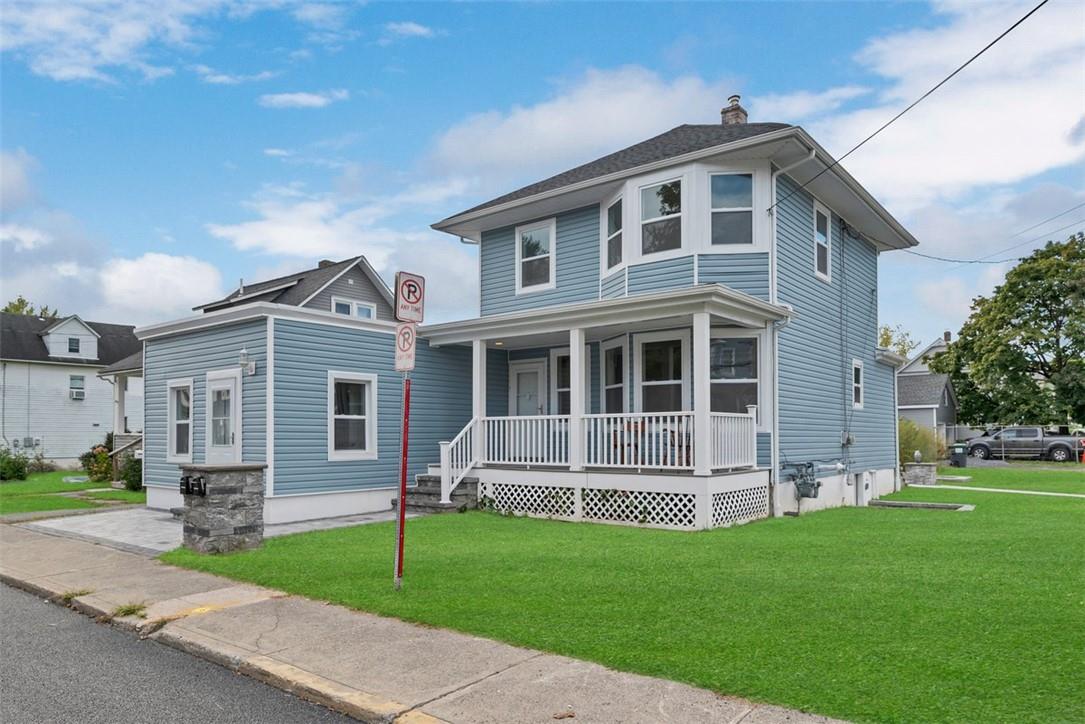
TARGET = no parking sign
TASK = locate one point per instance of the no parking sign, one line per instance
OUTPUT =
(406, 335)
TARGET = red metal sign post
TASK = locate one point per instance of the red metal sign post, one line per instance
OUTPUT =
(402, 507)
(410, 298)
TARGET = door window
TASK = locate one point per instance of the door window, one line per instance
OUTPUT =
(221, 418)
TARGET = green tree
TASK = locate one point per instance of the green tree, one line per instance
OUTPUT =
(897, 339)
(1020, 357)
(20, 305)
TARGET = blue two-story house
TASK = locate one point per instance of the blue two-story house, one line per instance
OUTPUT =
(673, 335)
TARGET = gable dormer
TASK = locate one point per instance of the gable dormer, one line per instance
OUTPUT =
(71, 338)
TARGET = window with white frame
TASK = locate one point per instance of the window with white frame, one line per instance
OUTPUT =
(561, 380)
(614, 366)
(661, 217)
(662, 376)
(732, 208)
(352, 308)
(76, 382)
(733, 366)
(822, 242)
(857, 384)
(535, 256)
(179, 434)
(352, 416)
(614, 234)
(73, 345)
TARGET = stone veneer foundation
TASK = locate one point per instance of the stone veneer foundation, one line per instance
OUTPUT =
(230, 515)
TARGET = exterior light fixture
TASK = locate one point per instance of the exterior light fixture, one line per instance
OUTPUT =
(246, 364)
(499, 343)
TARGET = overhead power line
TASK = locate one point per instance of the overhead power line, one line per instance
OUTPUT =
(916, 102)
(987, 259)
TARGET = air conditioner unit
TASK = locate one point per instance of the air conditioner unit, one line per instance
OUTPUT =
(77, 394)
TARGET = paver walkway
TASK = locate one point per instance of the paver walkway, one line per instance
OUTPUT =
(372, 668)
(150, 532)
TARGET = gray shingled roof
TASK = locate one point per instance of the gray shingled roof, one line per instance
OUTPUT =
(675, 142)
(133, 362)
(21, 339)
(921, 389)
(302, 285)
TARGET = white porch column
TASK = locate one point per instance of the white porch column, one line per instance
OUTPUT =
(577, 376)
(478, 394)
(702, 394)
(118, 403)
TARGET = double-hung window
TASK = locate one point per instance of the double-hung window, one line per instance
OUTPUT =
(614, 366)
(857, 384)
(351, 308)
(76, 382)
(661, 217)
(352, 416)
(535, 256)
(179, 413)
(732, 208)
(663, 381)
(822, 242)
(733, 365)
(73, 345)
(614, 234)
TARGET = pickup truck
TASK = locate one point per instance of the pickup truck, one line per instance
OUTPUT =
(1027, 442)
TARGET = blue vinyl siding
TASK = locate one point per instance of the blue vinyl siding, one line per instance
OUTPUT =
(305, 352)
(497, 382)
(591, 401)
(657, 276)
(355, 286)
(613, 286)
(194, 355)
(764, 449)
(815, 351)
(747, 273)
(577, 268)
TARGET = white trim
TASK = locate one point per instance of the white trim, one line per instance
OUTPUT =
(622, 343)
(551, 255)
(822, 209)
(683, 337)
(683, 227)
(236, 420)
(763, 423)
(367, 269)
(354, 304)
(538, 364)
(917, 407)
(257, 310)
(857, 364)
(61, 322)
(370, 417)
(269, 381)
(171, 385)
(756, 244)
(604, 246)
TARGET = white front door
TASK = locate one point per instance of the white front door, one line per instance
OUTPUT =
(223, 403)
(526, 386)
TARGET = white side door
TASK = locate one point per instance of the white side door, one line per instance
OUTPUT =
(527, 383)
(223, 402)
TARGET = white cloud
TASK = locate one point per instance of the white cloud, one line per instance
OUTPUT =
(303, 99)
(598, 113)
(16, 189)
(214, 77)
(793, 107)
(405, 29)
(159, 286)
(950, 297)
(23, 238)
(278, 152)
(329, 23)
(86, 40)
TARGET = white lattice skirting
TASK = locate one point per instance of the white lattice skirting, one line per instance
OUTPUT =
(681, 510)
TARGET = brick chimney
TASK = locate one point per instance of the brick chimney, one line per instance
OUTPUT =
(946, 336)
(733, 114)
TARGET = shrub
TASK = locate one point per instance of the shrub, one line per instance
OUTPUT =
(132, 473)
(38, 464)
(97, 464)
(13, 465)
(913, 437)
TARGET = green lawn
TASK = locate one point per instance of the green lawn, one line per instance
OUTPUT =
(35, 503)
(1067, 478)
(39, 492)
(42, 483)
(127, 496)
(865, 614)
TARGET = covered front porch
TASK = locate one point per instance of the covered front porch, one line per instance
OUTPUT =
(638, 409)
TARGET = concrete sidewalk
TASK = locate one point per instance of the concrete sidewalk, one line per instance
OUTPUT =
(371, 668)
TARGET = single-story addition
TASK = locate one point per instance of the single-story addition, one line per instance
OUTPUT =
(681, 334)
(52, 401)
(927, 397)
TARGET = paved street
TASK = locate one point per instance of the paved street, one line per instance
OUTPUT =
(59, 666)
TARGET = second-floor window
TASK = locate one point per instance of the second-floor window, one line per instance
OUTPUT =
(857, 384)
(73, 345)
(661, 217)
(535, 256)
(614, 234)
(351, 308)
(732, 208)
(822, 242)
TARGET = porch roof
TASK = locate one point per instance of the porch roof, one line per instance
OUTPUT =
(608, 317)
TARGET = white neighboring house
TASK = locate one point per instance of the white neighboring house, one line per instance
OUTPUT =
(52, 399)
(927, 398)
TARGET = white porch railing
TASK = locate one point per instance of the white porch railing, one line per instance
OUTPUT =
(457, 459)
(733, 438)
(657, 440)
(526, 440)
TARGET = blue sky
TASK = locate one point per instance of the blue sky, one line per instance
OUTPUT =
(155, 153)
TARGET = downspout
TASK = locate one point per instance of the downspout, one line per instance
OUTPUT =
(775, 447)
(4, 404)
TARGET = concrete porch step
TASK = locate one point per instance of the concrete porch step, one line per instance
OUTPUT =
(435, 505)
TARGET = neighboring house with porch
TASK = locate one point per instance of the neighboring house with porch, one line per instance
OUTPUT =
(680, 334)
(927, 397)
(52, 401)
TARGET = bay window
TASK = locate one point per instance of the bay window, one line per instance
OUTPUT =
(535, 256)
(661, 217)
(732, 208)
(614, 234)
